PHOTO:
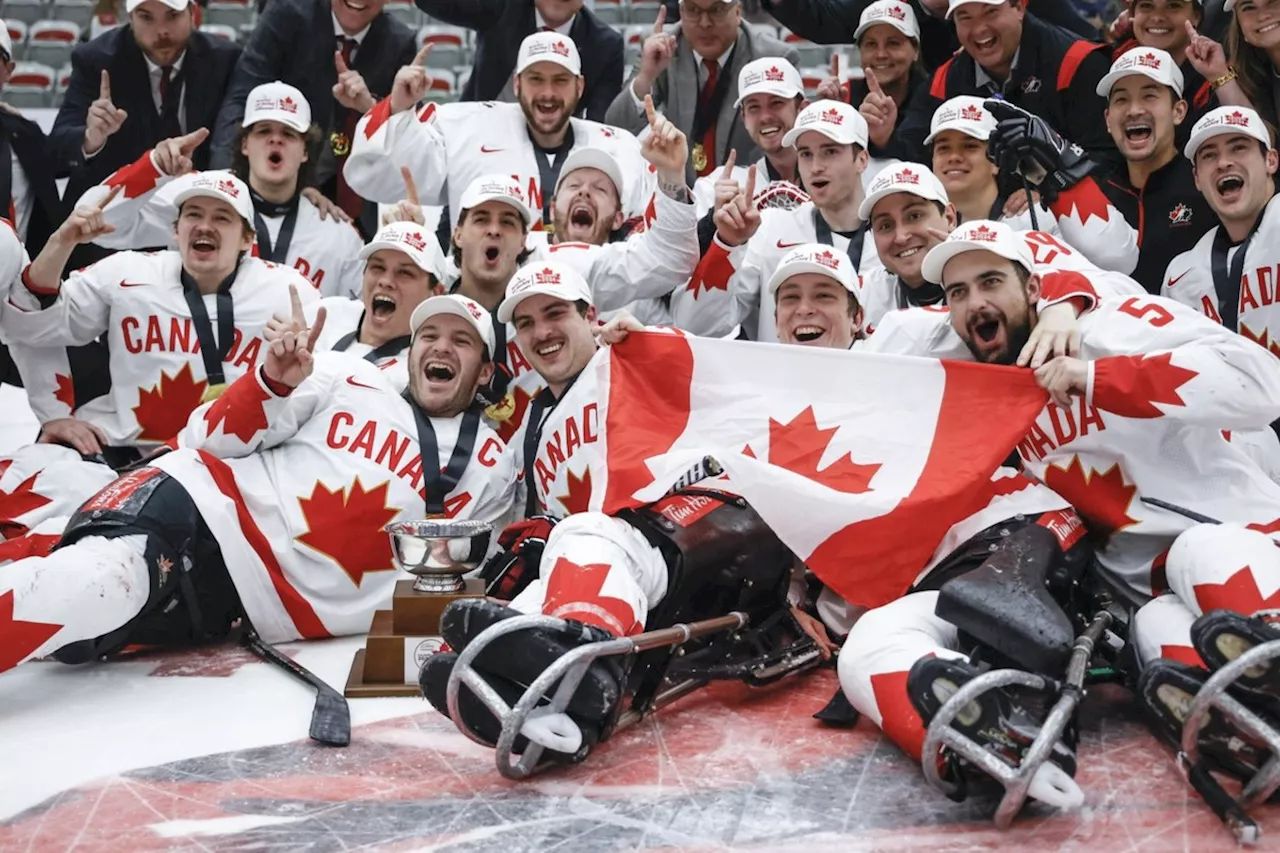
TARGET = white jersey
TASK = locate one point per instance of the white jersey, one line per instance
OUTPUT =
(324, 251)
(730, 286)
(41, 485)
(341, 332)
(447, 146)
(1189, 279)
(1088, 220)
(1164, 385)
(157, 370)
(297, 490)
(879, 292)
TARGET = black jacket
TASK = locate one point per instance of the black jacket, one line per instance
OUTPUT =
(27, 142)
(1169, 214)
(206, 69)
(1056, 77)
(501, 25)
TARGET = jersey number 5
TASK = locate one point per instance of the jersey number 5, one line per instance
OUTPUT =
(1134, 307)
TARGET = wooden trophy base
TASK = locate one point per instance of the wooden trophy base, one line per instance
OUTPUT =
(400, 639)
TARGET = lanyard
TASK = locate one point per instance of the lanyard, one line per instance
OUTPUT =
(550, 161)
(438, 484)
(211, 351)
(390, 348)
(543, 404)
(823, 231)
(279, 253)
(918, 297)
(1226, 283)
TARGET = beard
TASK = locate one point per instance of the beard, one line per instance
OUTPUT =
(1017, 331)
(463, 395)
(534, 119)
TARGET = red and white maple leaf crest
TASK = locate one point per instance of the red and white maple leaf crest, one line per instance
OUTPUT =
(162, 411)
(1262, 340)
(575, 592)
(65, 393)
(1239, 593)
(1103, 498)
(798, 446)
(520, 400)
(577, 496)
(239, 411)
(19, 638)
(699, 284)
(1135, 383)
(14, 504)
(346, 525)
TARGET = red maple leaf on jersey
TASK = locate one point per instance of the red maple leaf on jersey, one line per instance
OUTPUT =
(574, 592)
(699, 284)
(578, 495)
(1270, 527)
(240, 411)
(65, 393)
(520, 399)
(1087, 198)
(346, 524)
(18, 639)
(1261, 340)
(1102, 498)
(1131, 385)
(798, 446)
(1239, 593)
(162, 411)
(20, 501)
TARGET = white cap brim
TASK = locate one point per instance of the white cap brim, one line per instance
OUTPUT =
(968, 128)
(834, 134)
(901, 26)
(431, 260)
(1199, 138)
(940, 255)
(508, 307)
(520, 206)
(436, 305)
(956, 4)
(245, 209)
(175, 5)
(592, 158)
(793, 268)
(1110, 78)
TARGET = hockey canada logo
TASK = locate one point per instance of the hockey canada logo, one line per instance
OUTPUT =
(827, 259)
(983, 234)
(1149, 60)
(1180, 215)
(971, 113)
(774, 75)
(1236, 119)
(1031, 85)
(832, 116)
(415, 240)
(547, 276)
(288, 105)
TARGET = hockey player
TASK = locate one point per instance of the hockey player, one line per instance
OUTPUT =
(403, 266)
(274, 507)
(271, 158)
(1230, 274)
(180, 324)
(448, 146)
(830, 139)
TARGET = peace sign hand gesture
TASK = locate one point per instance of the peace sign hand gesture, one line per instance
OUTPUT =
(291, 345)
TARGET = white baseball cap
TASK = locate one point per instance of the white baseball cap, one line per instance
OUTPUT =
(550, 278)
(835, 120)
(549, 47)
(978, 235)
(418, 243)
(1149, 62)
(964, 113)
(175, 5)
(816, 258)
(277, 102)
(952, 5)
(503, 188)
(771, 76)
(592, 158)
(903, 178)
(6, 41)
(892, 12)
(221, 185)
(459, 306)
(1226, 120)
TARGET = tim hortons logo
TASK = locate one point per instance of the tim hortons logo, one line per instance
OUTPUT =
(827, 259)
(832, 116)
(906, 176)
(415, 239)
(473, 308)
(983, 233)
(1149, 60)
(547, 276)
(229, 188)
(1237, 119)
(560, 48)
(774, 75)
(971, 113)
(896, 12)
(287, 105)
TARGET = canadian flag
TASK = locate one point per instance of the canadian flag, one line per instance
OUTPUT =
(859, 462)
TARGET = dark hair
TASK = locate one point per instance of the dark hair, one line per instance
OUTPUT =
(455, 251)
(306, 173)
(1253, 73)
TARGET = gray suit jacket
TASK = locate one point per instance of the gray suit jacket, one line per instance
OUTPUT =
(675, 93)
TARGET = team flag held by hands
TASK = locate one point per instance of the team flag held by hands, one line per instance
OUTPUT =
(859, 462)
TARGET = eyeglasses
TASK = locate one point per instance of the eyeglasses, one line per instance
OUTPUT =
(714, 14)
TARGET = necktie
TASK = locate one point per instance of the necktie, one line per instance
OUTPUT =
(170, 94)
(345, 123)
(166, 75)
(704, 100)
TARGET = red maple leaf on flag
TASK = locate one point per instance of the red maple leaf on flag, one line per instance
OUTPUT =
(1103, 498)
(520, 399)
(18, 502)
(570, 585)
(798, 446)
(18, 638)
(1131, 385)
(65, 393)
(578, 495)
(1261, 340)
(162, 411)
(346, 524)
(1239, 593)
(239, 411)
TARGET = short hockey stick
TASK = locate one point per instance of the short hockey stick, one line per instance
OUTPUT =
(331, 717)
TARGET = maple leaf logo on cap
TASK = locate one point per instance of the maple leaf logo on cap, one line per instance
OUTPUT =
(415, 240)
(287, 105)
(832, 116)
(1149, 60)
(559, 47)
(1237, 118)
(547, 276)
(971, 113)
(473, 308)
(827, 259)
(229, 188)
(906, 176)
(896, 12)
(774, 75)
(983, 234)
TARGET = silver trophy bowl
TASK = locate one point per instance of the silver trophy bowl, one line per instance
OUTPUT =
(438, 552)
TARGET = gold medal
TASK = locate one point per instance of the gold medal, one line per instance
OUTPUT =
(339, 143)
(502, 411)
(213, 392)
(699, 158)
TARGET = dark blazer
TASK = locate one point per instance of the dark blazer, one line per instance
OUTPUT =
(28, 143)
(206, 70)
(501, 25)
(294, 42)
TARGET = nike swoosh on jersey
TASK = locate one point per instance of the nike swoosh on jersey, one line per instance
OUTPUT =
(134, 283)
(351, 380)
(485, 149)
(1174, 281)
(782, 245)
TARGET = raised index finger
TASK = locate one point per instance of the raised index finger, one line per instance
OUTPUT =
(104, 86)
(751, 184)
(295, 305)
(649, 111)
(340, 63)
(726, 172)
(410, 189)
(661, 20)
(835, 65)
(1191, 30)
(109, 197)
(873, 84)
(421, 58)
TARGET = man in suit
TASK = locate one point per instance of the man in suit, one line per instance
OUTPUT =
(501, 26)
(691, 70)
(28, 195)
(343, 59)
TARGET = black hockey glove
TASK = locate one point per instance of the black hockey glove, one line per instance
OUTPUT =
(1024, 143)
(512, 569)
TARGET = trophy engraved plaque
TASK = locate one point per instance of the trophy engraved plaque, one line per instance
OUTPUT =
(437, 552)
